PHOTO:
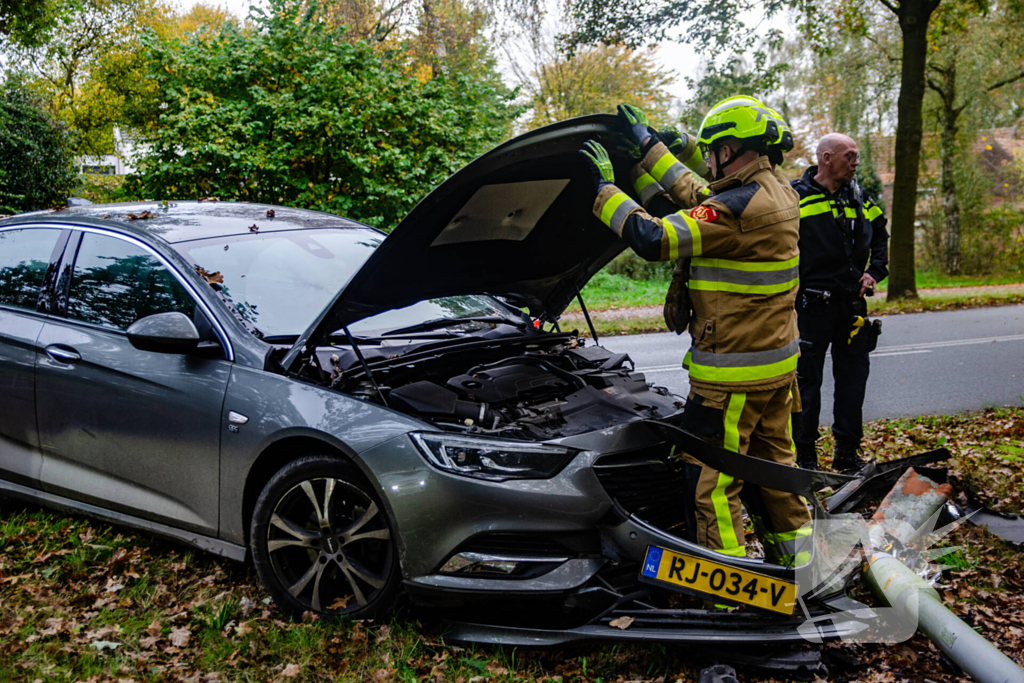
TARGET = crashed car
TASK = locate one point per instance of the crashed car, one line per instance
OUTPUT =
(365, 416)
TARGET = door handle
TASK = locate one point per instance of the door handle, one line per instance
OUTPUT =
(63, 353)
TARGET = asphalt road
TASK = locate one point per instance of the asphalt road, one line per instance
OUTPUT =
(925, 363)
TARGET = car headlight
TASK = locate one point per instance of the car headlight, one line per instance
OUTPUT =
(493, 459)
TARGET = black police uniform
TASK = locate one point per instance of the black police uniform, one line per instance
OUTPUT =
(842, 236)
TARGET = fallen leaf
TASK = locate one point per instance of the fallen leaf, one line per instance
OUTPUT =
(104, 645)
(340, 603)
(179, 637)
(292, 670)
(622, 622)
(148, 643)
(270, 213)
(211, 278)
(497, 669)
(254, 228)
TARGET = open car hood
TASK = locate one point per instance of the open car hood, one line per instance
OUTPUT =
(516, 222)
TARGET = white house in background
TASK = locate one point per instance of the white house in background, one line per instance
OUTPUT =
(118, 163)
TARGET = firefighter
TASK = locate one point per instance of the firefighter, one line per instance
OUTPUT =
(742, 245)
(843, 255)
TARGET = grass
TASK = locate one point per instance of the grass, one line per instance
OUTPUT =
(620, 305)
(83, 601)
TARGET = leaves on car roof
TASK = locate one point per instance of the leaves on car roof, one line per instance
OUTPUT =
(213, 279)
(141, 216)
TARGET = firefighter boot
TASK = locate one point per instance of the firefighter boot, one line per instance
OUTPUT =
(807, 457)
(846, 458)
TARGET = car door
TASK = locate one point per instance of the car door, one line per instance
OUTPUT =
(128, 430)
(26, 255)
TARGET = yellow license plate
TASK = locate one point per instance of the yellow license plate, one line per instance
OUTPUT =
(719, 580)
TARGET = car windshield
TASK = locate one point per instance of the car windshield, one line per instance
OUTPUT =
(280, 281)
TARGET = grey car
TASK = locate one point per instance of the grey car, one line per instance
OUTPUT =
(366, 416)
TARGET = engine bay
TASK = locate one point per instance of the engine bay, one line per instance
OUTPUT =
(535, 386)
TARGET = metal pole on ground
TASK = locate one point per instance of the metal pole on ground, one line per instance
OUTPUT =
(905, 510)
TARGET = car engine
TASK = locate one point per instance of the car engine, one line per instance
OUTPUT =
(537, 387)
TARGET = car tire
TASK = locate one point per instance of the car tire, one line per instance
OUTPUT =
(337, 559)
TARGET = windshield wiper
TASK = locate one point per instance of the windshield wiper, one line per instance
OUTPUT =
(438, 323)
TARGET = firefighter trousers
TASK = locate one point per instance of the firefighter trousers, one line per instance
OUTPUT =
(822, 326)
(757, 424)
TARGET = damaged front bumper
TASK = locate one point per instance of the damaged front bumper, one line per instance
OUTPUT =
(615, 602)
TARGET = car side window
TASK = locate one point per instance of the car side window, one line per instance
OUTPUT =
(24, 257)
(115, 282)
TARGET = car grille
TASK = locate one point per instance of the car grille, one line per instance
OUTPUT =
(646, 483)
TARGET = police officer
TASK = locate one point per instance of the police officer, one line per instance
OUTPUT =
(741, 239)
(843, 255)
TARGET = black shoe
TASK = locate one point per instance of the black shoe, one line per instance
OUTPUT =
(847, 459)
(807, 457)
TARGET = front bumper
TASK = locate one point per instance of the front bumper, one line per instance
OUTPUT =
(586, 547)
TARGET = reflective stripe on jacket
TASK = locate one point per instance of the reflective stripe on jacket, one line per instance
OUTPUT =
(842, 235)
(742, 242)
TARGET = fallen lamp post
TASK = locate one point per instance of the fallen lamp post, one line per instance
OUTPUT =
(910, 506)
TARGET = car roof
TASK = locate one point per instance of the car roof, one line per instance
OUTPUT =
(183, 221)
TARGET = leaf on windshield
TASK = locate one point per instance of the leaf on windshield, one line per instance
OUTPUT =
(140, 216)
(270, 213)
(213, 279)
(254, 228)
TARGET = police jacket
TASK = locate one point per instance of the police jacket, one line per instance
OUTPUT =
(742, 245)
(842, 235)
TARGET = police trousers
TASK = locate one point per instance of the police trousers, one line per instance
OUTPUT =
(824, 325)
(757, 424)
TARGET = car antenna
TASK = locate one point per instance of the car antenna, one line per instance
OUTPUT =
(366, 368)
(590, 324)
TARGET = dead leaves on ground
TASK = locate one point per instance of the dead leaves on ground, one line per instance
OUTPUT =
(80, 596)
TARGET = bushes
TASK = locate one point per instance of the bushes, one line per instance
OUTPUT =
(628, 264)
(35, 153)
(101, 189)
(288, 112)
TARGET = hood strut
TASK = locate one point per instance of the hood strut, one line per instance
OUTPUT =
(593, 332)
(366, 368)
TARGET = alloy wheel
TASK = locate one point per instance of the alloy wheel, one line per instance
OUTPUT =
(330, 546)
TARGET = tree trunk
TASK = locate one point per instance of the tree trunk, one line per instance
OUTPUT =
(950, 205)
(913, 16)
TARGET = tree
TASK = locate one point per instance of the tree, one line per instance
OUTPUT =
(717, 24)
(594, 80)
(288, 112)
(26, 21)
(913, 17)
(974, 57)
(92, 36)
(36, 151)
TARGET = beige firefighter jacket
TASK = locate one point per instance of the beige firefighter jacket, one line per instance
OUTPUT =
(744, 267)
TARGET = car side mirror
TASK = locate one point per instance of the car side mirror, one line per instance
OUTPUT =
(171, 332)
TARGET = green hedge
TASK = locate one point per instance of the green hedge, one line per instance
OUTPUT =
(35, 153)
